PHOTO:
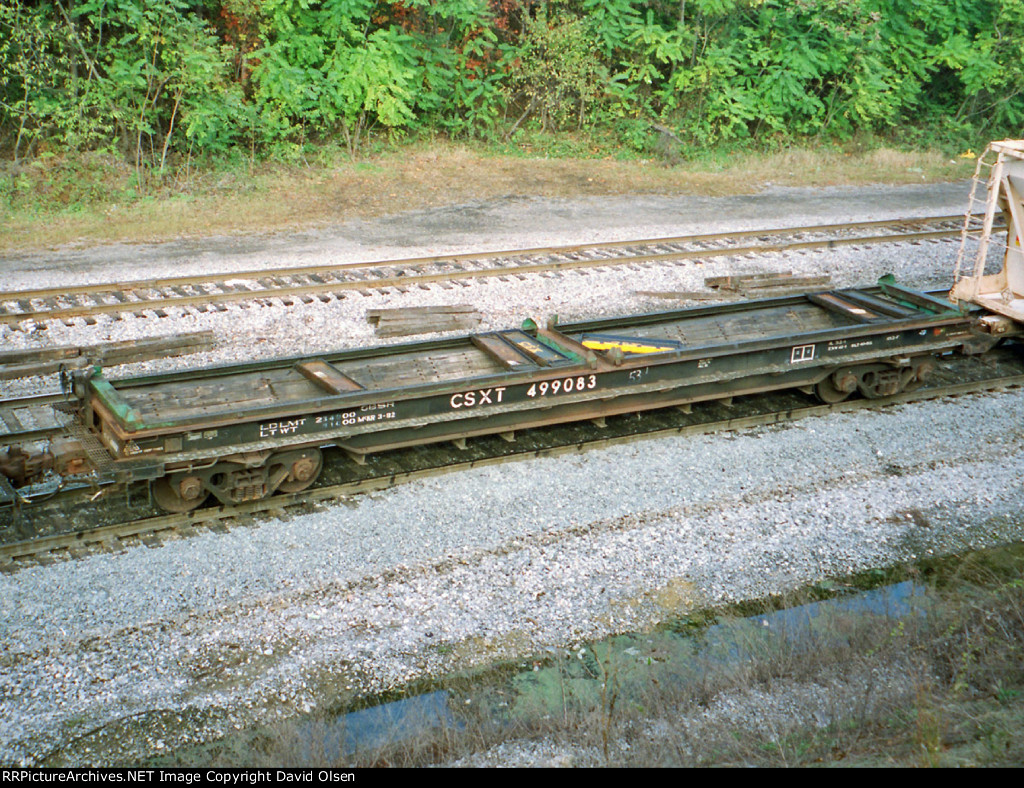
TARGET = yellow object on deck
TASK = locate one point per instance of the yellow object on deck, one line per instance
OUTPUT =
(626, 346)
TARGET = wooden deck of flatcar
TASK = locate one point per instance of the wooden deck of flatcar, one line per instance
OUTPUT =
(163, 400)
(761, 321)
(372, 399)
(460, 362)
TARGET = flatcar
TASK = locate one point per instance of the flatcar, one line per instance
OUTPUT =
(242, 432)
(245, 431)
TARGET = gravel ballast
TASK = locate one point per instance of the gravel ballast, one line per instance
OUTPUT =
(231, 630)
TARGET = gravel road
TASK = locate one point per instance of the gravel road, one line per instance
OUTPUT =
(114, 658)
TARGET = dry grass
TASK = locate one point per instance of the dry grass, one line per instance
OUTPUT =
(277, 198)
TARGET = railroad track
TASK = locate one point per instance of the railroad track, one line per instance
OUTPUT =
(958, 375)
(23, 309)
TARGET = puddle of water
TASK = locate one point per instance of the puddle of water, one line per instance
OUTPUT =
(807, 626)
(625, 664)
(376, 727)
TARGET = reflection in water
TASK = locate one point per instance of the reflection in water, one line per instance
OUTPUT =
(375, 728)
(633, 660)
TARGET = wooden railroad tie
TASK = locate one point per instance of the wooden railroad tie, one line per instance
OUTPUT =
(779, 280)
(47, 361)
(724, 288)
(423, 319)
(688, 295)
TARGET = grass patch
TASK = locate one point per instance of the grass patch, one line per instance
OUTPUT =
(89, 199)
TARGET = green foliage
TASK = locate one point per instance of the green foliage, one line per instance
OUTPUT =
(117, 73)
(166, 80)
(34, 59)
(841, 66)
(162, 70)
(795, 68)
(557, 74)
(460, 86)
(344, 65)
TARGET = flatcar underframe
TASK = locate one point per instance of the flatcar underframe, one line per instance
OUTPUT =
(242, 432)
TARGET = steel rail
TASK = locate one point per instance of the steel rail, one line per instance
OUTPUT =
(306, 270)
(16, 555)
(401, 274)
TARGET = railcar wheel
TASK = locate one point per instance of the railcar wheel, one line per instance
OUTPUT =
(828, 393)
(182, 495)
(836, 387)
(923, 370)
(302, 471)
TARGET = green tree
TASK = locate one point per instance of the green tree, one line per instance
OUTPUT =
(558, 75)
(117, 72)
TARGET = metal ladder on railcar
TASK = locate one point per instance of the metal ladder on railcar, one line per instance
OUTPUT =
(1001, 292)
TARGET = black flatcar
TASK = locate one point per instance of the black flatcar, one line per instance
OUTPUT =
(243, 432)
